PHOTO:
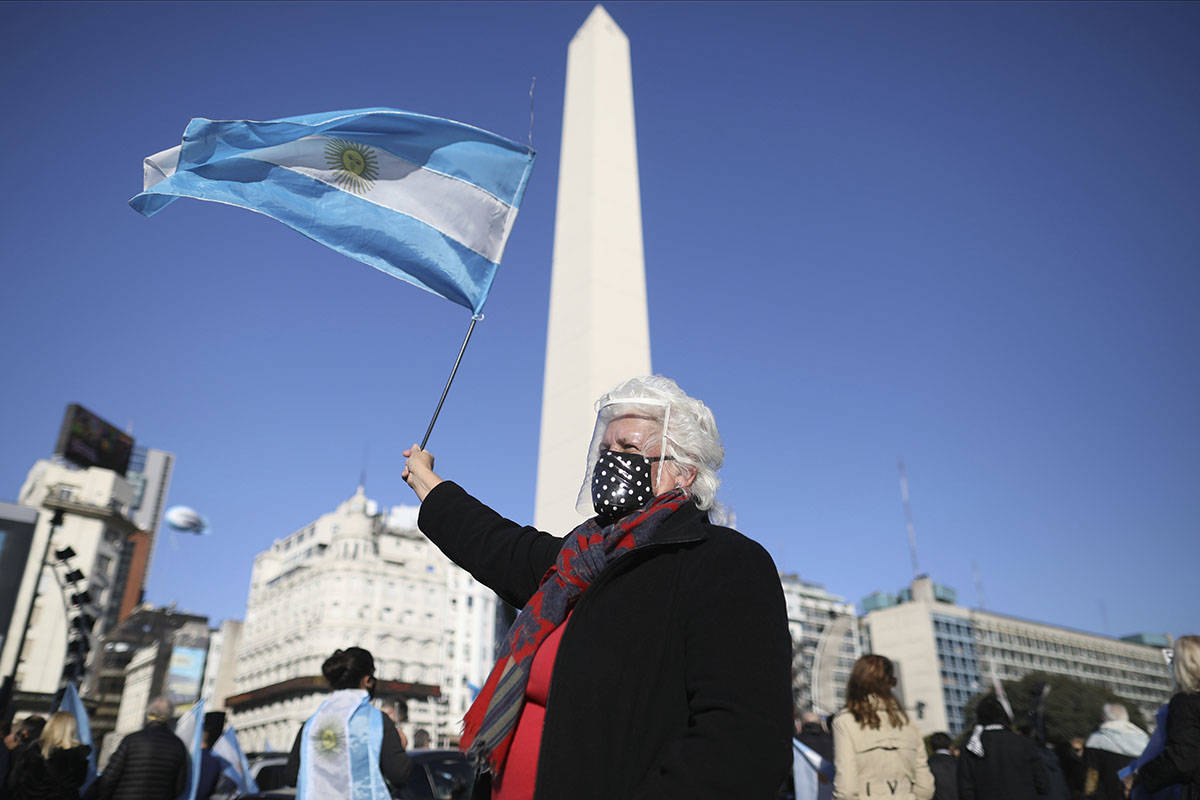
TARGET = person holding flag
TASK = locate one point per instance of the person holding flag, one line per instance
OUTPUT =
(651, 657)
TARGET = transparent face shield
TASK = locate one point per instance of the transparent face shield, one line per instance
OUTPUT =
(629, 431)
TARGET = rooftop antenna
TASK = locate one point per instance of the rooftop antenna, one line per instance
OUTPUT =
(979, 601)
(908, 523)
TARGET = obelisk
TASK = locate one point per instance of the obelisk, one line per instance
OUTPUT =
(599, 332)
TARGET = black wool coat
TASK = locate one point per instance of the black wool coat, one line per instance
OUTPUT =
(59, 777)
(151, 764)
(673, 677)
(1011, 769)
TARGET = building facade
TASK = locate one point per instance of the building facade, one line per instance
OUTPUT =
(946, 653)
(106, 521)
(114, 703)
(825, 645)
(358, 577)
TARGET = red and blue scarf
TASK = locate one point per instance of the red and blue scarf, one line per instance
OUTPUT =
(491, 720)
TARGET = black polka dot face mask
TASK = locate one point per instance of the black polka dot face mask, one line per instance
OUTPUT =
(620, 484)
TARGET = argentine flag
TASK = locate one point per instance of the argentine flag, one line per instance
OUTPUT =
(424, 199)
(812, 775)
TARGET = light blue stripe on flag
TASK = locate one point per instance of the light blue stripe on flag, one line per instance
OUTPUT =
(424, 199)
(71, 703)
(189, 728)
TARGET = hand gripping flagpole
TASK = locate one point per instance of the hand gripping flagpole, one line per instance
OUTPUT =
(475, 318)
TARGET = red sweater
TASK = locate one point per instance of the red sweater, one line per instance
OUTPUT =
(520, 768)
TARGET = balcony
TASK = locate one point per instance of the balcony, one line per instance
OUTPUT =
(65, 498)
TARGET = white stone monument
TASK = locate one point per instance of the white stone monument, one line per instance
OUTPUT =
(599, 331)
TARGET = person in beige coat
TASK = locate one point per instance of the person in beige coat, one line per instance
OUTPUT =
(877, 752)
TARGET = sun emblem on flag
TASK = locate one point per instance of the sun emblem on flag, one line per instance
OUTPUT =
(354, 165)
(328, 738)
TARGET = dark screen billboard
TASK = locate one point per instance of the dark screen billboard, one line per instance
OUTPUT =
(89, 441)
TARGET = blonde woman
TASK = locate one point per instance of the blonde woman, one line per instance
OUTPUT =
(57, 767)
(1179, 761)
(877, 751)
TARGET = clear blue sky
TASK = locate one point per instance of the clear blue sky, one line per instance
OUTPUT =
(968, 234)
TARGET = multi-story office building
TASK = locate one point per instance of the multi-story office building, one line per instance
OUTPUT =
(358, 577)
(825, 644)
(946, 653)
(100, 500)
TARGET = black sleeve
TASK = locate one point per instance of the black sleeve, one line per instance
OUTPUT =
(1180, 759)
(291, 771)
(107, 782)
(394, 763)
(508, 558)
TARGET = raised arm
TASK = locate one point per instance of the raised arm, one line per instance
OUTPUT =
(508, 558)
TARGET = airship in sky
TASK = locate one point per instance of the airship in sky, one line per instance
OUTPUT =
(186, 520)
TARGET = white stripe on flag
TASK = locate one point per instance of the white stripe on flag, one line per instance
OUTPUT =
(159, 167)
(473, 217)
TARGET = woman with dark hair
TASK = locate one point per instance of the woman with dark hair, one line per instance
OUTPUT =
(877, 751)
(997, 764)
(347, 748)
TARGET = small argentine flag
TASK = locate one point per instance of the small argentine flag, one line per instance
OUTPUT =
(427, 200)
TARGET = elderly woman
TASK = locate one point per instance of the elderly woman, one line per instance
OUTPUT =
(877, 751)
(651, 657)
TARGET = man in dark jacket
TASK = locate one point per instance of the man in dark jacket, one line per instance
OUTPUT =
(944, 767)
(997, 764)
(151, 764)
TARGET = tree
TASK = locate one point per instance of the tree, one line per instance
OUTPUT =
(1072, 708)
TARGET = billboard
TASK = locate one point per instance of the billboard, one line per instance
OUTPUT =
(89, 441)
(184, 676)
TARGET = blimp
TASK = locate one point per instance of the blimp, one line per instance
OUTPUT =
(186, 520)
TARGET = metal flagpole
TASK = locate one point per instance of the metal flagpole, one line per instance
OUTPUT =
(475, 318)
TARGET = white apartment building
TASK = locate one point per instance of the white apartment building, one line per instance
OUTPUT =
(358, 577)
(825, 644)
(96, 506)
(945, 654)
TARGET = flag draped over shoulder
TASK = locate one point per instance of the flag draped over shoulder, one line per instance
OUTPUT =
(427, 200)
(72, 704)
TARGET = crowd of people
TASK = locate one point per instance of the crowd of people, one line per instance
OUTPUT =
(650, 658)
(877, 751)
